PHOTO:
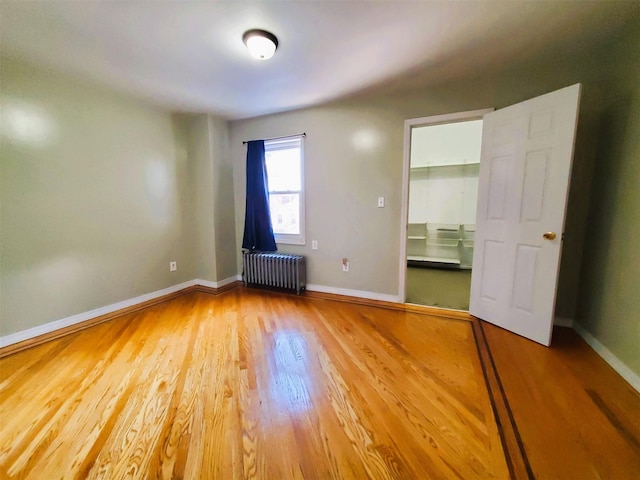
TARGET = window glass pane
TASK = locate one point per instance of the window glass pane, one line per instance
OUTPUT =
(283, 169)
(285, 211)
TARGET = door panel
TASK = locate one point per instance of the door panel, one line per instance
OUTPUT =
(525, 167)
(498, 184)
(494, 253)
(535, 174)
(526, 263)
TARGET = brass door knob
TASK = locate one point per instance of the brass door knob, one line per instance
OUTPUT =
(549, 235)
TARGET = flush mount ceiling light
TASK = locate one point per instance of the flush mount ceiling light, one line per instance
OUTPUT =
(261, 44)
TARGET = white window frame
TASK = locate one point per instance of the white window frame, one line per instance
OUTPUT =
(281, 143)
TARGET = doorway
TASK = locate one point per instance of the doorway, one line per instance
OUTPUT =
(442, 158)
(524, 177)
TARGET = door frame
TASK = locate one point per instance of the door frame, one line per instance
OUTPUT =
(404, 216)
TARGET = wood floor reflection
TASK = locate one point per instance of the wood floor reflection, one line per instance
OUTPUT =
(247, 384)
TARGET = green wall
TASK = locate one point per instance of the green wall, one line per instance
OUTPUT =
(609, 296)
(94, 198)
(211, 199)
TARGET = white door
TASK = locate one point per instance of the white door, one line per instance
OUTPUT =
(525, 168)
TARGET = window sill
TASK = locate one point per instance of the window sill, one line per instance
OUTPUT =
(292, 240)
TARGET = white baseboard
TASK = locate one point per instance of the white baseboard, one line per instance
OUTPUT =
(84, 316)
(38, 330)
(227, 281)
(354, 293)
(218, 284)
(563, 322)
(624, 371)
(615, 363)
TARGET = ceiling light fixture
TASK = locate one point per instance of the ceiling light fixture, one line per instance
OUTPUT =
(261, 44)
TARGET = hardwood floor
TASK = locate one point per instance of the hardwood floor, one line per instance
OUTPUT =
(248, 384)
(252, 385)
(576, 417)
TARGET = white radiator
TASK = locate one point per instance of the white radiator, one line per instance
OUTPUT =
(277, 270)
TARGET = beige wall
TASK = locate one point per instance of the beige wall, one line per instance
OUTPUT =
(94, 198)
(609, 301)
(223, 200)
(201, 172)
(352, 157)
(211, 201)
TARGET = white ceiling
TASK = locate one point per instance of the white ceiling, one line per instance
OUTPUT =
(188, 55)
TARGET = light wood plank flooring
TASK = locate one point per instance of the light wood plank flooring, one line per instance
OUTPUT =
(576, 417)
(249, 384)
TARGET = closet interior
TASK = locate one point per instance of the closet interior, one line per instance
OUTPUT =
(443, 190)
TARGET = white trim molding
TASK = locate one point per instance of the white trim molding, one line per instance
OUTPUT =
(62, 323)
(618, 365)
(218, 284)
(45, 328)
(84, 316)
(354, 293)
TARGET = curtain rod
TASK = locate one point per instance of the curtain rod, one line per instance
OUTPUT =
(279, 138)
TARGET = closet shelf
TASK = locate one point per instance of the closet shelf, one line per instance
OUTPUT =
(421, 258)
(424, 168)
(441, 244)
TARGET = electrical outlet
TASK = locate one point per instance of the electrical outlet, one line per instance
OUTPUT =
(380, 202)
(314, 244)
(173, 266)
(345, 265)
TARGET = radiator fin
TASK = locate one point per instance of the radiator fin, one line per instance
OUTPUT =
(275, 270)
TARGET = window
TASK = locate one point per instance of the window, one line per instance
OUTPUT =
(285, 175)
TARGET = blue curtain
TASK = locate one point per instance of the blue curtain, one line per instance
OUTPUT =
(258, 232)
